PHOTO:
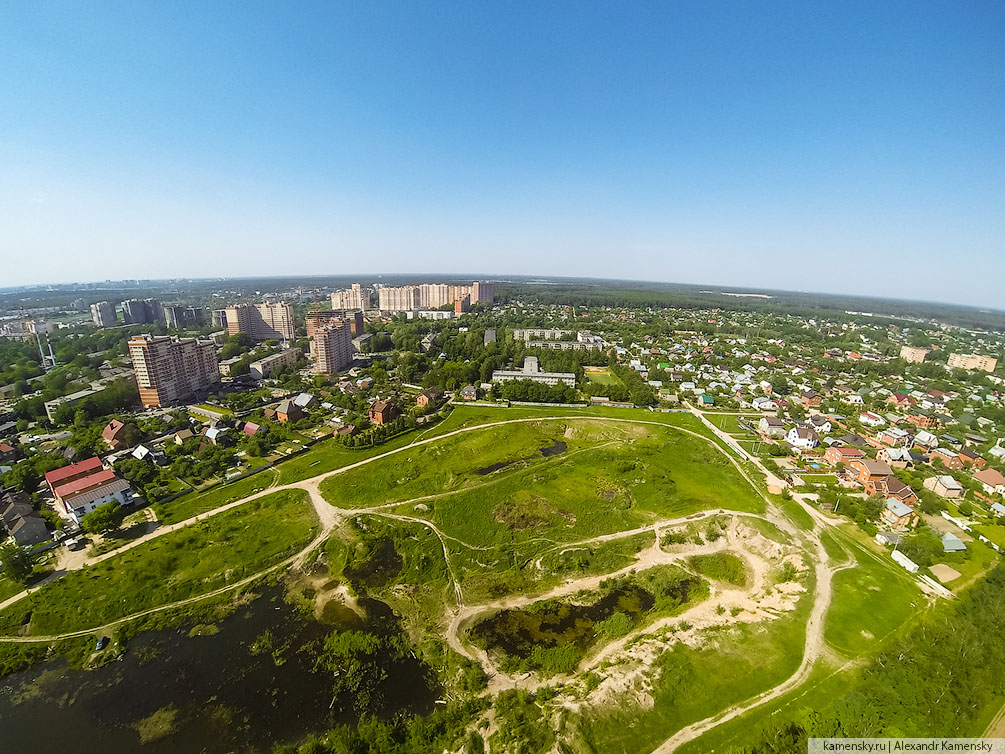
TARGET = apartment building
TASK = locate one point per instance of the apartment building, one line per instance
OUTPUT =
(169, 369)
(332, 347)
(142, 311)
(432, 296)
(318, 319)
(261, 321)
(972, 361)
(532, 333)
(355, 297)
(403, 299)
(83, 486)
(103, 314)
(182, 317)
(265, 368)
(913, 354)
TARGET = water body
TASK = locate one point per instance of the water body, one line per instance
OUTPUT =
(493, 467)
(227, 698)
(554, 449)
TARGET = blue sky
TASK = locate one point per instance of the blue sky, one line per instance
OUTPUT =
(846, 147)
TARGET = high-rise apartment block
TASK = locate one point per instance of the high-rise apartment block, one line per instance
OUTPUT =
(103, 314)
(332, 347)
(169, 369)
(913, 354)
(183, 317)
(432, 296)
(355, 297)
(142, 312)
(317, 319)
(972, 361)
(261, 321)
(462, 305)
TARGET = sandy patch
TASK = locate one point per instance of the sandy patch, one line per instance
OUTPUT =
(944, 573)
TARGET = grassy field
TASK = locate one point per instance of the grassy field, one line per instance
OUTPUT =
(603, 377)
(731, 424)
(507, 524)
(195, 560)
(194, 503)
(870, 603)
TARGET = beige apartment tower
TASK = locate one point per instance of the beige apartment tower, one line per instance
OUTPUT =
(355, 297)
(332, 347)
(972, 361)
(169, 369)
(430, 296)
(913, 354)
(261, 321)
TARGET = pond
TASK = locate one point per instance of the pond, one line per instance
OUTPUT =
(554, 449)
(242, 689)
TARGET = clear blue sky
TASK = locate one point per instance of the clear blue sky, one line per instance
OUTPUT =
(848, 147)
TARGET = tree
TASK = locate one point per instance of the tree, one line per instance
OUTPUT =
(104, 518)
(16, 562)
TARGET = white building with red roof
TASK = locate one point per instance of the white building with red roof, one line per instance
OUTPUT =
(81, 487)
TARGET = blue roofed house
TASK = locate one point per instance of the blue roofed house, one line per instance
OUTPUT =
(898, 515)
(952, 543)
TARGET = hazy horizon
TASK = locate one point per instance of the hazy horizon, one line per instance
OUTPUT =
(852, 149)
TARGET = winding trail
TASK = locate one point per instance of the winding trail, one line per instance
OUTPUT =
(330, 517)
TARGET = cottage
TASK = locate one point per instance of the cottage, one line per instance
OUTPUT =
(949, 458)
(771, 426)
(869, 470)
(895, 437)
(468, 393)
(305, 401)
(871, 420)
(944, 485)
(763, 403)
(840, 454)
(992, 480)
(952, 543)
(969, 458)
(429, 397)
(898, 458)
(8, 452)
(383, 412)
(288, 411)
(114, 434)
(820, 423)
(897, 515)
(803, 437)
(926, 440)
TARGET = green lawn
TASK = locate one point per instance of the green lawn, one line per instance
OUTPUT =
(194, 503)
(731, 424)
(870, 603)
(195, 560)
(604, 378)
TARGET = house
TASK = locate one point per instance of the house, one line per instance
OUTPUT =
(382, 412)
(215, 435)
(840, 454)
(250, 428)
(998, 509)
(347, 431)
(81, 487)
(707, 400)
(771, 426)
(468, 393)
(889, 538)
(895, 437)
(22, 521)
(8, 452)
(114, 434)
(869, 470)
(898, 458)
(305, 401)
(854, 399)
(969, 458)
(820, 423)
(923, 420)
(182, 435)
(944, 485)
(811, 399)
(763, 403)
(897, 515)
(900, 400)
(926, 440)
(992, 480)
(803, 437)
(950, 458)
(429, 397)
(952, 543)
(288, 411)
(871, 420)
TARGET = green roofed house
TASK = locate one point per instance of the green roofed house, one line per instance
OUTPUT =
(663, 365)
(952, 543)
(707, 400)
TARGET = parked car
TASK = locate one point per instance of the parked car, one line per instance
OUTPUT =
(101, 644)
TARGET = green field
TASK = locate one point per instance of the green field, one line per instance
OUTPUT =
(604, 377)
(870, 603)
(198, 559)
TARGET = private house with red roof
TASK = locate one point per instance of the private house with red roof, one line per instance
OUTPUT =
(835, 455)
(114, 434)
(81, 487)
